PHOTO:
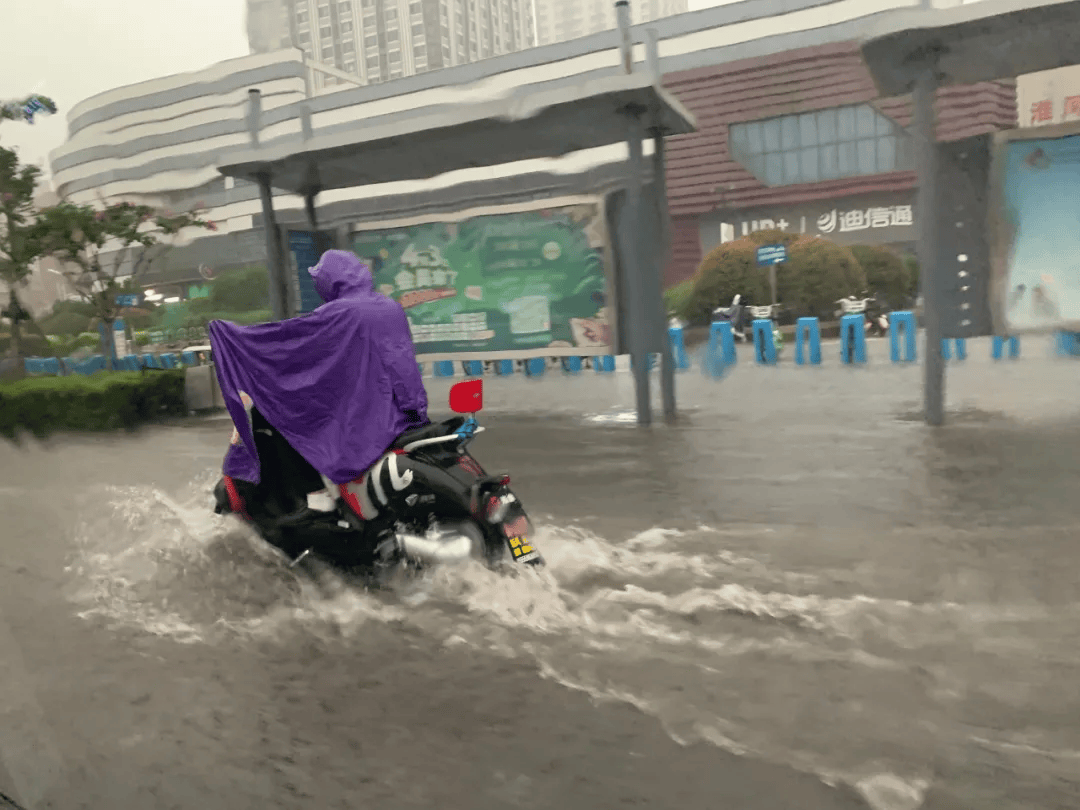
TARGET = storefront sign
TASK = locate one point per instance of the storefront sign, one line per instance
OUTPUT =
(529, 282)
(873, 220)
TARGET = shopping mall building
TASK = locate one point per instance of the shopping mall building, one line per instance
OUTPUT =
(791, 134)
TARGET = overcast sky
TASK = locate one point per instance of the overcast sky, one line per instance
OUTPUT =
(71, 49)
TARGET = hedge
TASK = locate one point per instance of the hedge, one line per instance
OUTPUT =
(103, 401)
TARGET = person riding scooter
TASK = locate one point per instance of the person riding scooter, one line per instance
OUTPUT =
(315, 400)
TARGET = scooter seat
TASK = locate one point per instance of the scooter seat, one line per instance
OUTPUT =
(429, 431)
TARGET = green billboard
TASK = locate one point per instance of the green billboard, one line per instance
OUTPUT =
(520, 284)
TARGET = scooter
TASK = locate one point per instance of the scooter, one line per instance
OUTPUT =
(425, 502)
(769, 313)
(735, 314)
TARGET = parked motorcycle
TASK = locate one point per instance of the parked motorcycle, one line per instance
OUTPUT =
(736, 315)
(427, 501)
(876, 321)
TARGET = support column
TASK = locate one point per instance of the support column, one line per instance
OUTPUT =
(638, 329)
(275, 253)
(663, 251)
(927, 212)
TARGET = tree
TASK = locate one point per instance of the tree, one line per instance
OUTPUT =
(26, 109)
(105, 248)
(20, 245)
(887, 276)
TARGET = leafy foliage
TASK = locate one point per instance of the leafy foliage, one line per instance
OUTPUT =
(677, 297)
(27, 108)
(104, 401)
(106, 248)
(817, 273)
(242, 290)
(887, 276)
(20, 245)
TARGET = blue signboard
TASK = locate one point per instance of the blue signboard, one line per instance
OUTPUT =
(305, 249)
(771, 254)
(128, 300)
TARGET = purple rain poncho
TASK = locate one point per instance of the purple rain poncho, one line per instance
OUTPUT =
(336, 383)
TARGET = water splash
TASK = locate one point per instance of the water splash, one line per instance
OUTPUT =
(720, 647)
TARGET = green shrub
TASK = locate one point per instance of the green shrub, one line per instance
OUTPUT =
(103, 401)
(816, 274)
(887, 276)
(677, 298)
(242, 290)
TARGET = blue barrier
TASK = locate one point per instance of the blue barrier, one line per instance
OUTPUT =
(604, 363)
(1001, 342)
(808, 331)
(571, 365)
(189, 359)
(504, 367)
(41, 365)
(150, 361)
(90, 365)
(474, 368)
(961, 348)
(853, 338)
(764, 345)
(168, 360)
(902, 322)
(534, 366)
(719, 353)
(678, 348)
(444, 368)
(1068, 344)
(129, 362)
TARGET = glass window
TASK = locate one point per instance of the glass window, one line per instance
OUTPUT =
(826, 126)
(845, 124)
(865, 121)
(346, 26)
(886, 146)
(755, 138)
(830, 168)
(774, 169)
(789, 133)
(791, 167)
(847, 166)
(867, 157)
(822, 145)
(324, 12)
(808, 165)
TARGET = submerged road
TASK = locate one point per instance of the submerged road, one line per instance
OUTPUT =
(798, 597)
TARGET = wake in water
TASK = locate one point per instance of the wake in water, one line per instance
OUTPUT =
(721, 647)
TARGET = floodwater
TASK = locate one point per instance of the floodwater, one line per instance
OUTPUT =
(797, 597)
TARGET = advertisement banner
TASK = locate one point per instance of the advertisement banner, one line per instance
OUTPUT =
(505, 283)
(1035, 230)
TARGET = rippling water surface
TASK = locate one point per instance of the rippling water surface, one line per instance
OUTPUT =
(798, 572)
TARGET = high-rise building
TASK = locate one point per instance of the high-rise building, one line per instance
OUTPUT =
(377, 40)
(560, 20)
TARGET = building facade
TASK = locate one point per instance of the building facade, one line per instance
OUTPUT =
(791, 134)
(562, 20)
(379, 40)
(801, 141)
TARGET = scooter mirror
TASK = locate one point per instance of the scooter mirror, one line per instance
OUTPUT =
(467, 397)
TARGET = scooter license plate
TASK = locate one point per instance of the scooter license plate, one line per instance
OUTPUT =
(517, 538)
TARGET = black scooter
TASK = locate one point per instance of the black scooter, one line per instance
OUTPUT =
(425, 502)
